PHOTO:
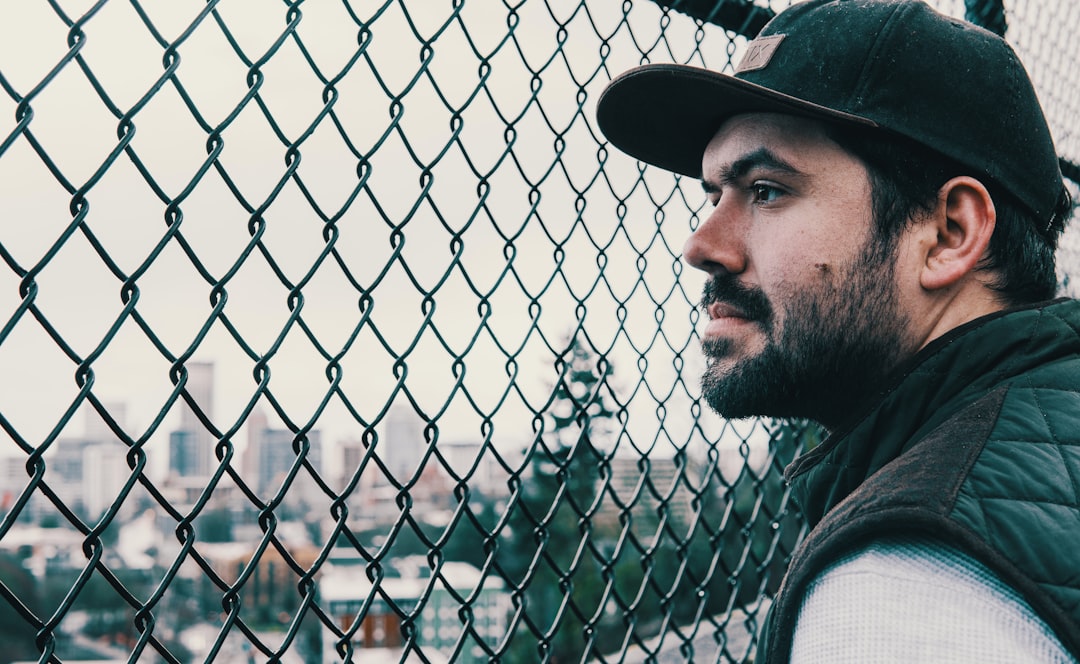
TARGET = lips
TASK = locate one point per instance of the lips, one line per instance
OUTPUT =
(728, 302)
(726, 321)
(718, 310)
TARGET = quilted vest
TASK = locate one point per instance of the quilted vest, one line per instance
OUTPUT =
(976, 443)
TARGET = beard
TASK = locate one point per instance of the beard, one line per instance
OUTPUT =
(839, 339)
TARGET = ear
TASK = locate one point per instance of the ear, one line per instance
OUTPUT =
(964, 220)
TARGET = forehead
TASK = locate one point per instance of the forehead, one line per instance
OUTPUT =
(801, 142)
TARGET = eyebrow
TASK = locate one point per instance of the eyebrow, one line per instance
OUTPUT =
(762, 158)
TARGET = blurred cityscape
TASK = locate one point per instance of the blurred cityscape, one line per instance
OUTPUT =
(87, 473)
(381, 499)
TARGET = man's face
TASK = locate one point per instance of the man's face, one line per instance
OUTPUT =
(805, 316)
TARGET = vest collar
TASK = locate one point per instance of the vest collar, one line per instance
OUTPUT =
(949, 373)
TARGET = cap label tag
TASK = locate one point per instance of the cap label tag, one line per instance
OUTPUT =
(759, 53)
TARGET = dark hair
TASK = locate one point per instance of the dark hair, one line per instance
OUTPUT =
(905, 179)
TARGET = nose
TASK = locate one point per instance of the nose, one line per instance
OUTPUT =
(716, 246)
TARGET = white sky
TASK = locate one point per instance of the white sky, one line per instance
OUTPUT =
(81, 298)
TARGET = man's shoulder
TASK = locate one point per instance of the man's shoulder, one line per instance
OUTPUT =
(917, 595)
(920, 560)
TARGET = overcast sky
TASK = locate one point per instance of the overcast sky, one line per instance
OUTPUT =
(475, 199)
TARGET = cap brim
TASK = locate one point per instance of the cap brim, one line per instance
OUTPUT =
(665, 114)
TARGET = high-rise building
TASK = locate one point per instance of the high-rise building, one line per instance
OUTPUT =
(276, 456)
(88, 471)
(66, 460)
(371, 499)
(65, 470)
(105, 471)
(183, 455)
(352, 453)
(200, 385)
(468, 457)
(402, 445)
(269, 458)
(249, 460)
(13, 481)
(191, 447)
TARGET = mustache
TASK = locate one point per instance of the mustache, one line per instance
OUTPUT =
(752, 302)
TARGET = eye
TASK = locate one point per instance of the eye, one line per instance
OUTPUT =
(763, 192)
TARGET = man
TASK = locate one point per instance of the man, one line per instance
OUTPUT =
(886, 203)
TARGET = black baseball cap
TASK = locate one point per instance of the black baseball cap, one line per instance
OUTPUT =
(897, 65)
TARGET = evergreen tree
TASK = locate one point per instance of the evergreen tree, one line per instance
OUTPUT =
(746, 531)
(549, 546)
(16, 633)
(755, 527)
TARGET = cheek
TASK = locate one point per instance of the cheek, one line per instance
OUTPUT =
(803, 264)
(814, 241)
(909, 262)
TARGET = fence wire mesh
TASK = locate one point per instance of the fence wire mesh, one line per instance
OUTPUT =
(335, 331)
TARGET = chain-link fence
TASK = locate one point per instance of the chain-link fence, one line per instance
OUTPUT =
(334, 331)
